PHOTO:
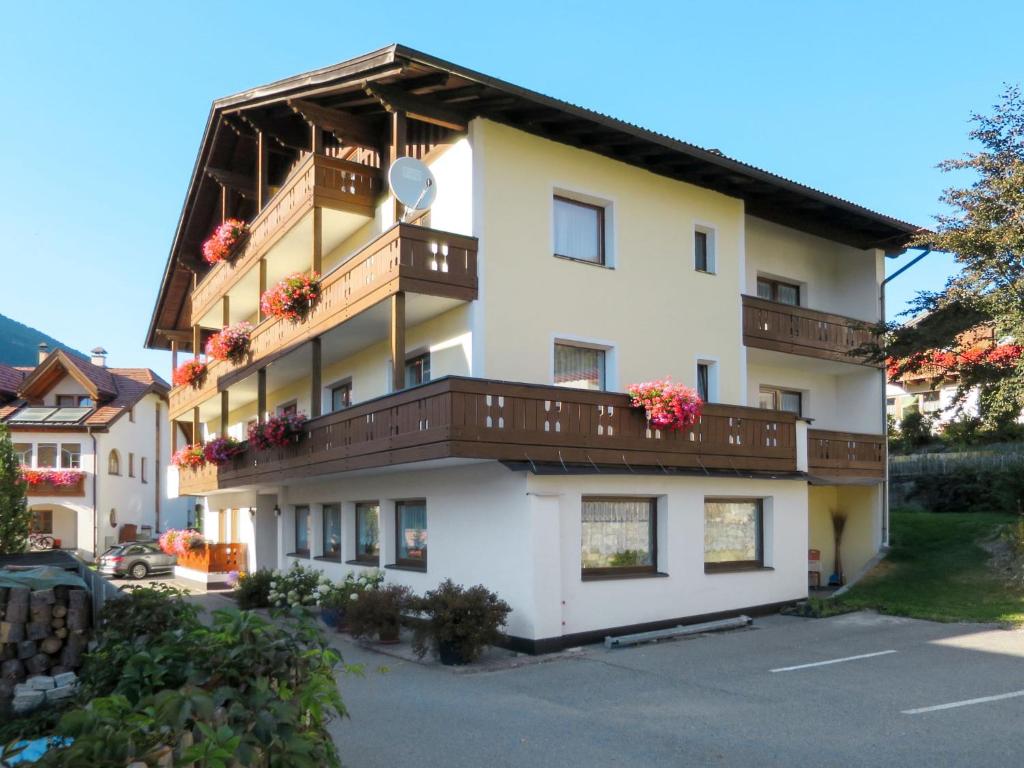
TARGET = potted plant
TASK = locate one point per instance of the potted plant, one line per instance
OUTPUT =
(292, 298)
(190, 457)
(298, 587)
(377, 612)
(665, 404)
(225, 241)
(191, 373)
(277, 431)
(231, 343)
(220, 450)
(335, 600)
(459, 622)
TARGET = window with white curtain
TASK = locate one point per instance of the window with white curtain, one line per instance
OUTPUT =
(579, 230)
(618, 536)
(579, 367)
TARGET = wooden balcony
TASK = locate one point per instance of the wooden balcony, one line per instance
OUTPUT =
(401, 259)
(845, 456)
(68, 491)
(802, 331)
(214, 558)
(317, 181)
(528, 425)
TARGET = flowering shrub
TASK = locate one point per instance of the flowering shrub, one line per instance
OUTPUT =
(58, 478)
(231, 343)
(297, 587)
(221, 245)
(667, 405)
(292, 298)
(221, 450)
(277, 431)
(340, 594)
(178, 542)
(191, 373)
(191, 456)
(945, 363)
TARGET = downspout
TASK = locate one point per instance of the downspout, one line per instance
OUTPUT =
(95, 484)
(885, 410)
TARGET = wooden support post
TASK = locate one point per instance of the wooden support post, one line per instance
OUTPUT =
(226, 309)
(318, 240)
(398, 341)
(223, 203)
(260, 317)
(225, 412)
(315, 378)
(197, 341)
(262, 163)
(396, 149)
(316, 139)
(261, 395)
(174, 355)
(197, 432)
(174, 436)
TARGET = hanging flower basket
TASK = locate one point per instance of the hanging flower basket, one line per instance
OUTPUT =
(189, 457)
(221, 450)
(277, 431)
(293, 298)
(666, 405)
(231, 343)
(191, 373)
(56, 478)
(225, 241)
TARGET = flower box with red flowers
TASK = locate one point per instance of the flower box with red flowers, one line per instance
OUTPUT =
(277, 431)
(55, 478)
(221, 450)
(293, 298)
(190, 457)
(191, 373)
(666, 405)
(180, 542)
(226, 241)
(231, 343)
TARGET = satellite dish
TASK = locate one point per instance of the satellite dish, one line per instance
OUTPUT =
(413, 183)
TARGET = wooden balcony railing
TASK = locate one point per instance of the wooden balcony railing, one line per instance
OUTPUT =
(529, 425)
(802, 331)
(401, 259)
(845, 455)
(317, 181)
(46, 489)
(215, 558)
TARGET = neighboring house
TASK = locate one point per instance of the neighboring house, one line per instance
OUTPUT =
(462, 370)
(95, 446)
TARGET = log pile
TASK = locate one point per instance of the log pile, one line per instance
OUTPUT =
(42, 632)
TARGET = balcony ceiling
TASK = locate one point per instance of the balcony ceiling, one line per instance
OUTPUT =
(351, 101)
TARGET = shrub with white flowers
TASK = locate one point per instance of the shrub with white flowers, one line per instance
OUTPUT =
(297, 587)
(339, 595)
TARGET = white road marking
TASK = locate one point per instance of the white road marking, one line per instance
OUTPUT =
(833, 661)
(965, 703)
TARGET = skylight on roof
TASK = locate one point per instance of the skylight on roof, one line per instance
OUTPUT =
(37, 415)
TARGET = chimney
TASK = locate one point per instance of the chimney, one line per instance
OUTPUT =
(44, 350)
(99, 357)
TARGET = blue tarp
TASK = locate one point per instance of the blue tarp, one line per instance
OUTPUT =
(40, 577)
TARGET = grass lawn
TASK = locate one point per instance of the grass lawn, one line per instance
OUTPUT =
(937, 569)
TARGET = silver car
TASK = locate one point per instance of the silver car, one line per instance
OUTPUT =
(137, 559)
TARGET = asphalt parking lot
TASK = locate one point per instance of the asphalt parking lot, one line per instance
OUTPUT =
(853, 690)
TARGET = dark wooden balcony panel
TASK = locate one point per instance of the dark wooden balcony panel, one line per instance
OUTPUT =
(317, 181)
(68, 491)
(402, 259)
(845, 455)
(802, 331)
(502, 421)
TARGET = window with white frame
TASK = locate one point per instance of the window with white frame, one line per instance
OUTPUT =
(778, 399)
(707, 380)
(579, 230)
(23, 453)
(579, 367)
(46, 455)
(71, 455)
(704, 249)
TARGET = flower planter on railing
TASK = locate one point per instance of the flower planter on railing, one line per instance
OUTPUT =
(211, 563)
(54, 482)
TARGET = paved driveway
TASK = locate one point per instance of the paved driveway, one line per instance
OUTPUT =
(785, 692)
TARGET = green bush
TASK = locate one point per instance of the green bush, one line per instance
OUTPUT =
(459, 622)
(970, 490)
(253, 589)
(377, 612)
(241, 691)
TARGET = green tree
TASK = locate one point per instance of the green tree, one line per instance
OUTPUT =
(984, 230)
(14, 515)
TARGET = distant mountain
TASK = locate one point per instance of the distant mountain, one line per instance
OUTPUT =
(19, 344)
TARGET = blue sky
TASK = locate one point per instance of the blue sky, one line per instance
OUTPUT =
(104, 106)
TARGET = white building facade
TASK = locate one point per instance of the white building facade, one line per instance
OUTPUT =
(462, 369)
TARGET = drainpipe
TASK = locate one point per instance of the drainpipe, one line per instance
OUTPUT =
(95, 483)
(885, 410)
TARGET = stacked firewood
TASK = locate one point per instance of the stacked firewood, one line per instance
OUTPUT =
(43, 632)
